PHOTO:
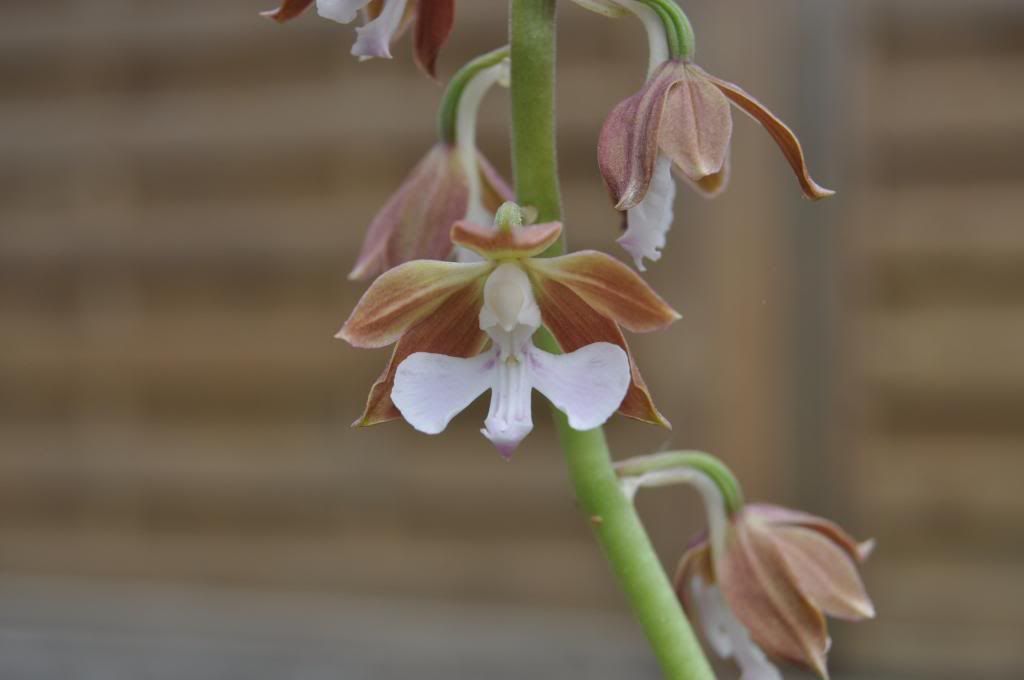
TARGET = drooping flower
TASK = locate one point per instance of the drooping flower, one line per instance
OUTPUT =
(453, 181)
(681, 120)
(385, 20)
(453, 308)
(764, 588)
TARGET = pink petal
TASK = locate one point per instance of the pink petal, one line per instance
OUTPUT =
(587, 385)
(431, 389)
(696, 126)
(628, 145)
(416, 221)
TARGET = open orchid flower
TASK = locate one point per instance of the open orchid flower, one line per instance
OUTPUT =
(453, 182)
(764, 588)
(681, 120)
(444, 308)
(587, 385)
(385, 20)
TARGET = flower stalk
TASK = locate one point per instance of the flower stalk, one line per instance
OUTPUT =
(616, 524)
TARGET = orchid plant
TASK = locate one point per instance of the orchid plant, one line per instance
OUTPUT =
(473, 285)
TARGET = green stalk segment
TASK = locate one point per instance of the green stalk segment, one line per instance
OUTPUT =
(616, 524)
(447, 116)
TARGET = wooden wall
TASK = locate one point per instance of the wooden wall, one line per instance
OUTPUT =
(183, 188)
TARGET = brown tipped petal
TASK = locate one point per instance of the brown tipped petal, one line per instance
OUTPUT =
(495, 189)
(696, 128)
(759, 587)
(610, 287)
(576, 324)
(415, 222)
(782, 135)
(628, 145)
(825, 573)
(433, 26)
(503, 244)
(289, 9)
(456, 333)
(712, 185)
(777, 514)
(403, 296)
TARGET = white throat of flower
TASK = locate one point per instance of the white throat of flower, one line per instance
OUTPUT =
(588, 385)
(648, 223)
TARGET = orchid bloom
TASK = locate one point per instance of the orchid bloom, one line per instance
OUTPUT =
(385, 20)
(762, 578)
(680, 120)
(442, 314)
(763, 588)
(452, 182)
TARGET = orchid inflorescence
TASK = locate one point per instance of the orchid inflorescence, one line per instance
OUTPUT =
(477, 296)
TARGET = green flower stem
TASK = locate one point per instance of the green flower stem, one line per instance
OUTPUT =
(447, 117)
(705, 463)
(615, 522)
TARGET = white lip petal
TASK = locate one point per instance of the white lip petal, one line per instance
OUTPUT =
(587, 385)
(509, 419)
(649, 221)
(374, 39)
(342, 11)
(727, 636)
(431, 389)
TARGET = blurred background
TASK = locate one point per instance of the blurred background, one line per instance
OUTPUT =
(183, 189)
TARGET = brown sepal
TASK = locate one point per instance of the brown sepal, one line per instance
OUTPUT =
(576, 324)
(434, 23)
(288, 10)
(610, 287)
(780, 132)
(456, 333)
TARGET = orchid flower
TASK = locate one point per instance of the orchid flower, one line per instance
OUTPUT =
(777, 575)
(385, 20)
(452, 182)
(680, 120)
(762, 578)
(430, 308)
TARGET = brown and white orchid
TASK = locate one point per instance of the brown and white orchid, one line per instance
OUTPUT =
(441, 315)
(385, 20)
(762, 589)
(452, 182)
(681, 120)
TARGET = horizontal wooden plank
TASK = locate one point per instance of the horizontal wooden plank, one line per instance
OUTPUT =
(945, 350)
(947, 489)
(925, 222)
(291, 482)
(944, 98)
(553, 572)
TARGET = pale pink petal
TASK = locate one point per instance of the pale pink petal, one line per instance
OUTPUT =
(374, 39)
(431, 389)
(647, 223)
(342, 11)
(587, 385)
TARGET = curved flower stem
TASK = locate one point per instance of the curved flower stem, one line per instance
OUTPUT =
(615, 522)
